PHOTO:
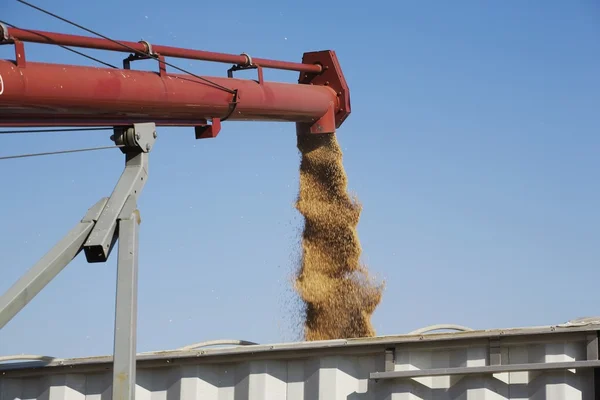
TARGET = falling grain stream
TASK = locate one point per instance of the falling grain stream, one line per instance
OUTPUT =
(338, 294)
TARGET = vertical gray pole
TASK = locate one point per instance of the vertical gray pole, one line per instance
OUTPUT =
(124, 361)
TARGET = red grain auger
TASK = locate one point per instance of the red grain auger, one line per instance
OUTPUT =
(42, 94)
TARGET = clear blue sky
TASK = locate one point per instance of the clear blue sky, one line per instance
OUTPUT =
(473, 144)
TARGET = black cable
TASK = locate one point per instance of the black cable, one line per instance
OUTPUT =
(60, 45)
(58, 152)
(53, 130)
(232, 106)
(126, 46)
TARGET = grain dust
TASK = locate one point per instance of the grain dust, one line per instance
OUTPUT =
(338, 294)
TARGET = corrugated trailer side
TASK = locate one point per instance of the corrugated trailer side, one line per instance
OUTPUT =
(553, 362)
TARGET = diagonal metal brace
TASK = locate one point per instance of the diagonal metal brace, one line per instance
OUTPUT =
(49, 266)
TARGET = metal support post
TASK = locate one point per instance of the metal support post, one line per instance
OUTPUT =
(124, 371)
(111, 219)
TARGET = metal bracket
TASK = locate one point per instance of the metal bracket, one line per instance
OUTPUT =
(139, 136)
(110, 219)
(20, 54)
(208, 131)
(5, 39)
(249, 65)
(149, 50)
(3, 32)
(135, 142)
(151, 55)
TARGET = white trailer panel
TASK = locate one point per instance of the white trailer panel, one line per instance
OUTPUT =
(554, 362)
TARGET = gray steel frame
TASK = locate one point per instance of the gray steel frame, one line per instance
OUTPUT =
(488, 369)
(110, 219)
(495, 361)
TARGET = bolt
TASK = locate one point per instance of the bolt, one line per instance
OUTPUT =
(112, 137)
(148, 147)
(154, 134)
(138, 136)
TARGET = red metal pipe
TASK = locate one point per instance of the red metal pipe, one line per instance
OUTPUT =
(166, 51)
(40, 94)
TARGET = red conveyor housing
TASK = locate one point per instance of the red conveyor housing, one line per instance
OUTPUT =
(42, 94)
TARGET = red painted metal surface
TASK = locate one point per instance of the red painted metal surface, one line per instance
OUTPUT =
(167, 51)
(64, 94)
(332, 77)
(41, 94)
